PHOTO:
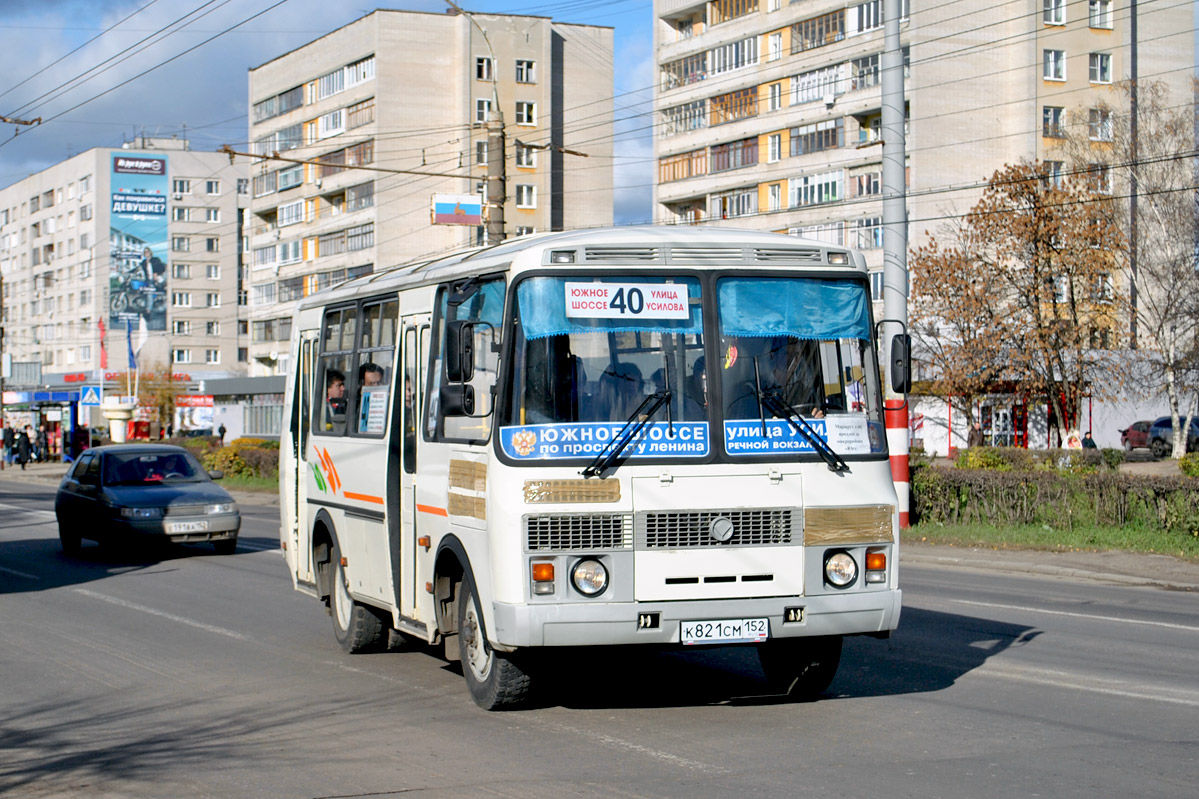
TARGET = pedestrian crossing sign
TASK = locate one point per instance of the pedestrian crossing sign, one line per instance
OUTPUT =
(90, 396)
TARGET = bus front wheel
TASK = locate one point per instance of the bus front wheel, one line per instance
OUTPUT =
(357, 627)
(495, 680)
(801, 668)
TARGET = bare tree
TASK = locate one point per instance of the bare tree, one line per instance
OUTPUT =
(1162, 160)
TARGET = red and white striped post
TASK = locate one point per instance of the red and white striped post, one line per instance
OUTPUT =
(895, 413)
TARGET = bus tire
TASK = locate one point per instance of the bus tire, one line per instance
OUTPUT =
(356, 627)
(72, 543)
(495, 681)
(801, 668)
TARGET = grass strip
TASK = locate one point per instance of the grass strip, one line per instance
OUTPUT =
(1045, 538)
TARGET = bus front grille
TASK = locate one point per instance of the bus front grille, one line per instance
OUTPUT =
(569, 532)
(691, 529)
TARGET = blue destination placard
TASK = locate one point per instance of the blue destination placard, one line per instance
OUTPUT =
(847, 435)
(588, 439)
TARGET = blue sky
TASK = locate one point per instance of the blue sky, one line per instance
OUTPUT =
(204, 92)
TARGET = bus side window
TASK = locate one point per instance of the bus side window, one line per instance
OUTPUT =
(485, 305)
(376, 353)
(337, 347)
(409, 395)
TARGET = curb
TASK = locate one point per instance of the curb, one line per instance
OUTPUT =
(1016, 567)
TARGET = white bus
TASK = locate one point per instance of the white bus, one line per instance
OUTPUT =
(662, 436)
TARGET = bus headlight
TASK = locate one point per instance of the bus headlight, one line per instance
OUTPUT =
(840, 569)
(589, 577)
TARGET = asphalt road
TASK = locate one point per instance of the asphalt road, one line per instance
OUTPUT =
(193, 675)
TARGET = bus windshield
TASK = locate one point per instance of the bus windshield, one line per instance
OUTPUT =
(797, 347)
(589, 350)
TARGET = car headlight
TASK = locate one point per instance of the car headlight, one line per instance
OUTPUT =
(589, 577)
(840, 569)
(222, 507)
(142, 513)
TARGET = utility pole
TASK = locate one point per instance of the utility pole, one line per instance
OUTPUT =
(895, 247)
(3, 418)
(1134, 168)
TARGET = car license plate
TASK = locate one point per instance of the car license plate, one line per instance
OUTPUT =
(725, 631)
(187, 527)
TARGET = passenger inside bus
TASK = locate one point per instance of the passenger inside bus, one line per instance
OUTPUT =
(335, 400)
(620, 391)
(790, 367)
(370, 374)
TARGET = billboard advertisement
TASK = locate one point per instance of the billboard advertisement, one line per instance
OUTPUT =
(137, 272)
(193, 414)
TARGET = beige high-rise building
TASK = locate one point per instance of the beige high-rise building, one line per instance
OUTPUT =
(769, 112)
(144, 235)
(379, 116)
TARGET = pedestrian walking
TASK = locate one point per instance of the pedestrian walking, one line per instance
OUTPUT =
(24, 447)
(42, 448)
(9, 442)
(221, 431)
(975, 438)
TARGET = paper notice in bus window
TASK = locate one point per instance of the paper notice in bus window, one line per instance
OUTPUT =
(846, 434)
(627, 301)
(588, 439)
(374, 410)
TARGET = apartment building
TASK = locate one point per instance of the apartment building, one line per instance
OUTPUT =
(769, 112)
(146, 235)
(380, 115)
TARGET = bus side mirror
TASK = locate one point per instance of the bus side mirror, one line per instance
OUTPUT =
(459, 351)
(457, 400)
(901, 363)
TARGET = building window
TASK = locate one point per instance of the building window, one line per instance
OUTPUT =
(212, 214)
(684, 165)
(1099, 124)
(181, 244)
(212, 356)
(330, 124)
(1053, 173)
(182, 356)
(526, 156)
(1100, 13)
(1054, 12)
(734, 155)
(774, 147)
(524, 230)
(182, 327)
(736, 55)
(870, 234)
(526, 195)
(867, 16)
(360, 71)
(526, 113)
(1053, 122)
(361, 237)
(243, 185)
(1054, 65)
(825, 187)
(867, 185)
(243, 354)
(818, 31)
(524, 71)
(212, 244)
(739, 202)
(1099, 177)
(775, 196)
(826, 135)
(734, 105)
(181, 271)
(876, 286)
(180, 214)
(683, 118)
(819, 84)
(360, 196)
(85, 212)
(212, 300)
(1101, 67)
(775, 97)
(483, 68)
(212, 187)
(684, 71)
(290, 214)
(774, 47)
(331, 83)
(482, 110)
(724, 10)
(360, 114)
(828, 233)
(180, 186)
(181, 299)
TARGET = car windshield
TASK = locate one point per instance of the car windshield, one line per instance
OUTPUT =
(152, 468)
(590, 350)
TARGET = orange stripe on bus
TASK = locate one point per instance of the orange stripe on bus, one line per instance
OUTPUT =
(363, 497)
(433, 510)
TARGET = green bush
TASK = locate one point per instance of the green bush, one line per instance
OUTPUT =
(1020, 459)
(1189, 464)
(245, 457)
(1060, 499)
(1113, 458)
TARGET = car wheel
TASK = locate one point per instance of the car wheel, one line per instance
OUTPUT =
(801, 668)
(71, 542)
(1158, 447)
(356, 627)
(1127, 445)
(494, 679)
(226, 546)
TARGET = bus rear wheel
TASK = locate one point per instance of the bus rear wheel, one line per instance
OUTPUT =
(495, 681)
(356, 627)
(801, 668)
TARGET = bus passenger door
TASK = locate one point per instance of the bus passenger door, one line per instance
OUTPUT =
(413, 366)
(296, 511)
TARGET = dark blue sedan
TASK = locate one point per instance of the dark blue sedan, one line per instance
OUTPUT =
(146, 492)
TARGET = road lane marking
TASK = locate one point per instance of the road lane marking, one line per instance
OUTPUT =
(241, 545)
(20, 574)
(163, 614)
(1166, 624)
(23, 509)
(1089, 683)
(629, 746)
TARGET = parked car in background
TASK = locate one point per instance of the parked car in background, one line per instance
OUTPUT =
(147, 493)
(1161, 436)
(1136, 435)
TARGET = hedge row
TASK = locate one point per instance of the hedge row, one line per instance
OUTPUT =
(1060, 499)
(245, 457)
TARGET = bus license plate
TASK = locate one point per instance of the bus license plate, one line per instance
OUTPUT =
(187, 527)
(725, 631)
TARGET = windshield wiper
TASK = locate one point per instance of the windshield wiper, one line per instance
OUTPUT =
(779, 407)
(637, 420)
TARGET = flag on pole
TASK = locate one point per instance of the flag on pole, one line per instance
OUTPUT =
(129, 342)
(103, 349)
